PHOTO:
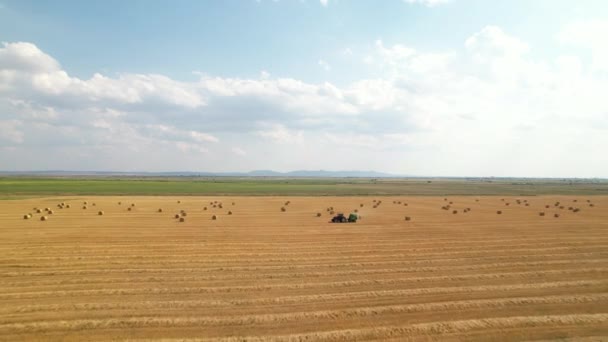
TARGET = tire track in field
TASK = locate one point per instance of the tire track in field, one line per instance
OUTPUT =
(426, 330)
(314, 266)
(350, 283)
(139, 260)
(292, 257)
(365, 312)
(493, 303)
(266, 288)
(313, 243)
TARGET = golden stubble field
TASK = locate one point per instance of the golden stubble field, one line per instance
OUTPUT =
(264, 274)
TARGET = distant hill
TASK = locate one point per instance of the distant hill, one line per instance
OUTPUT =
(256, 173)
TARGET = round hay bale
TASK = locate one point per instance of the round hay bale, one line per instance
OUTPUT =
(100, 213)
(38, 211)
(499, 212)
(356, 210)
(576, 210)
(84, 207)
(527, 204)
(361, 205)
(85, 203)
(215, 206)
(181, 219)
(26, 217)
(233, 203)
(229, 212)
(214, 217)
(541, 213)
(407, 218)
(220, 206)
(318, 214)
(331, 212)
(129, 208)
(67, 206)
(451, 202)
(179, 202)
(445, 199)
(283, 209)
(43, 218)
(132, 204)
(204, 208)
(592, 205)
(160, 210)
(176, 216)
(51, 212)
(374, 201)
(405, 204)
(184, 214)
(574, 200)
(561, 207)
(455, 212)
(556, 215)
(94, 204)
(570, 208)
(507, 204)
(119, 203)
(547, 206)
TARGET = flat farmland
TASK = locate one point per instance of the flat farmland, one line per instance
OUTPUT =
(261, 273)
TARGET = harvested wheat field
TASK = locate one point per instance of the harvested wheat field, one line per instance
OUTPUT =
(456, 271)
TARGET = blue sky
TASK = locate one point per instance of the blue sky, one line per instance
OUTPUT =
(426, 87)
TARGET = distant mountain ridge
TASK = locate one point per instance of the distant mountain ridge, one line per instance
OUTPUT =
(255, 173)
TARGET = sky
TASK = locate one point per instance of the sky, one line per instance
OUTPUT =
(412, 87)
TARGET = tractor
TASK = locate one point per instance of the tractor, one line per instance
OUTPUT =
(340, 218)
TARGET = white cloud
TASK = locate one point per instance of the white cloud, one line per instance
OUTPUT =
(280, 134)
(590, 34)
(399, 59)
(22, 56)
(238, 151)
(323, 64)
(324, 3)
(264, 75)
(428, 3)
(10, 132)
(492, 41)
(489, 108)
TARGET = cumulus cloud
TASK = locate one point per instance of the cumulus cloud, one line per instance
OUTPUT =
(590, 34)
(324, 3)
(238, 151)
(489, 108)
(280, 134)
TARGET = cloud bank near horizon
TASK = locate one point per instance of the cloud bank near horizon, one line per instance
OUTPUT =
(491, 107)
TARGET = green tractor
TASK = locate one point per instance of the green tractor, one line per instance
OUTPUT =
(340, 218)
